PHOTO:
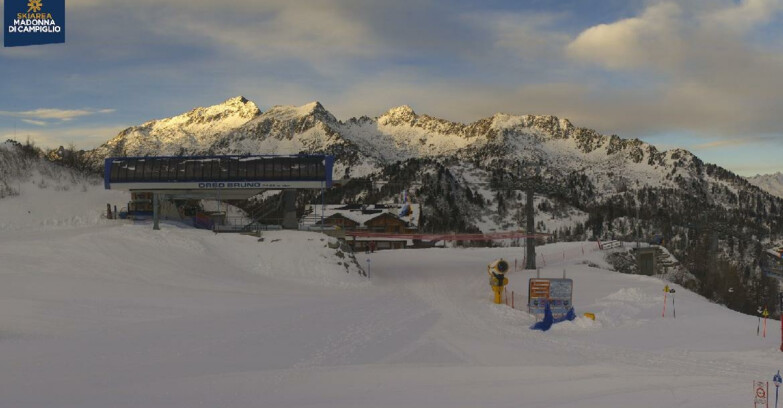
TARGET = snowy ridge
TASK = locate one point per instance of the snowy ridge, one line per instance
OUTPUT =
(237, 127)
(186, 132)
(596, 168)
(771, 183)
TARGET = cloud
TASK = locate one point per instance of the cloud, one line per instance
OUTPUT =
(313, 31)
(653, 39)
(529, 36)
(722, 144)
(744, 16)
(35, 122)
(34, 116)
(743, 141)
(81, 137)
(701, 68)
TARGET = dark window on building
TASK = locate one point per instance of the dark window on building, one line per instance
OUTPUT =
(190, 167)
(132, 166)
(321, 170)
(232, 166)
(296, 169)
(179, 171)
(165, 169)
(122, 174)
(155, 171)
(211, 170)
(115, 171)
(242, 169)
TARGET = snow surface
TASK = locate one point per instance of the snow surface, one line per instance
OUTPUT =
(100, 313)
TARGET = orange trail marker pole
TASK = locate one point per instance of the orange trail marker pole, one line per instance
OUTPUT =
(512, 299)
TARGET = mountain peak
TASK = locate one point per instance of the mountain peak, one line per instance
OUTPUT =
(290, 112)
(241, 105)
(238, 107)
(401, 110)
(239, 99)
(399, 115)
(312, 107)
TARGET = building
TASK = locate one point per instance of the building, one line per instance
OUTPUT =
(381, 218)
(772, 264)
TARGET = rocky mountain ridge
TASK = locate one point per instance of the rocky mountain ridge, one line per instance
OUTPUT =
(237, 126)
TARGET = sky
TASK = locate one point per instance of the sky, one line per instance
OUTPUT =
(704, 75)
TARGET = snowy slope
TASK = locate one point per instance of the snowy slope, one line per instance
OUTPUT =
(771, 183)
(113, 314)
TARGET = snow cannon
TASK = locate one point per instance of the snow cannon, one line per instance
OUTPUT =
(497, 277)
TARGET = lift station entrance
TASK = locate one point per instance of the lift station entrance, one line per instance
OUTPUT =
(219, 177)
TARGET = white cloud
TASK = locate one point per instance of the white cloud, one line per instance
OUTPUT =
(58, 114)
(700, 69)
(81, 137)
(744, 16)
(653, 39)
(34, 122)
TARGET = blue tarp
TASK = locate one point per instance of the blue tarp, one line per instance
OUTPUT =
(548, 320)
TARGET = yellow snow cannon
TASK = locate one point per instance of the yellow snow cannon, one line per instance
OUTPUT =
(497, 279)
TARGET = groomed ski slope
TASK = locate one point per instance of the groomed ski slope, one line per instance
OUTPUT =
(109, 314)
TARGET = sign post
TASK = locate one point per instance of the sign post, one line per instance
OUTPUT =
(777, 380)
(760, 394)
(665, 291)
(557, 293)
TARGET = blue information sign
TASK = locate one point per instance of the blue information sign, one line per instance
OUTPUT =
(557, 292)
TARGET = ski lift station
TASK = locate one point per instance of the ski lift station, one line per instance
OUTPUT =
(218, 178)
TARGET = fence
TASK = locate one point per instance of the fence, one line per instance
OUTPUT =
(609, 244)
(554, 258)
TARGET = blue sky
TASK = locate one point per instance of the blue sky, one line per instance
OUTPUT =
(702, 75)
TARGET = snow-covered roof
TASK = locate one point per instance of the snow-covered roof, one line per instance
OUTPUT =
(363, 213)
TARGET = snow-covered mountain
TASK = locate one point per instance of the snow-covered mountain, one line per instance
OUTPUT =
(771, 183)
(190, 131)
(609, 165)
